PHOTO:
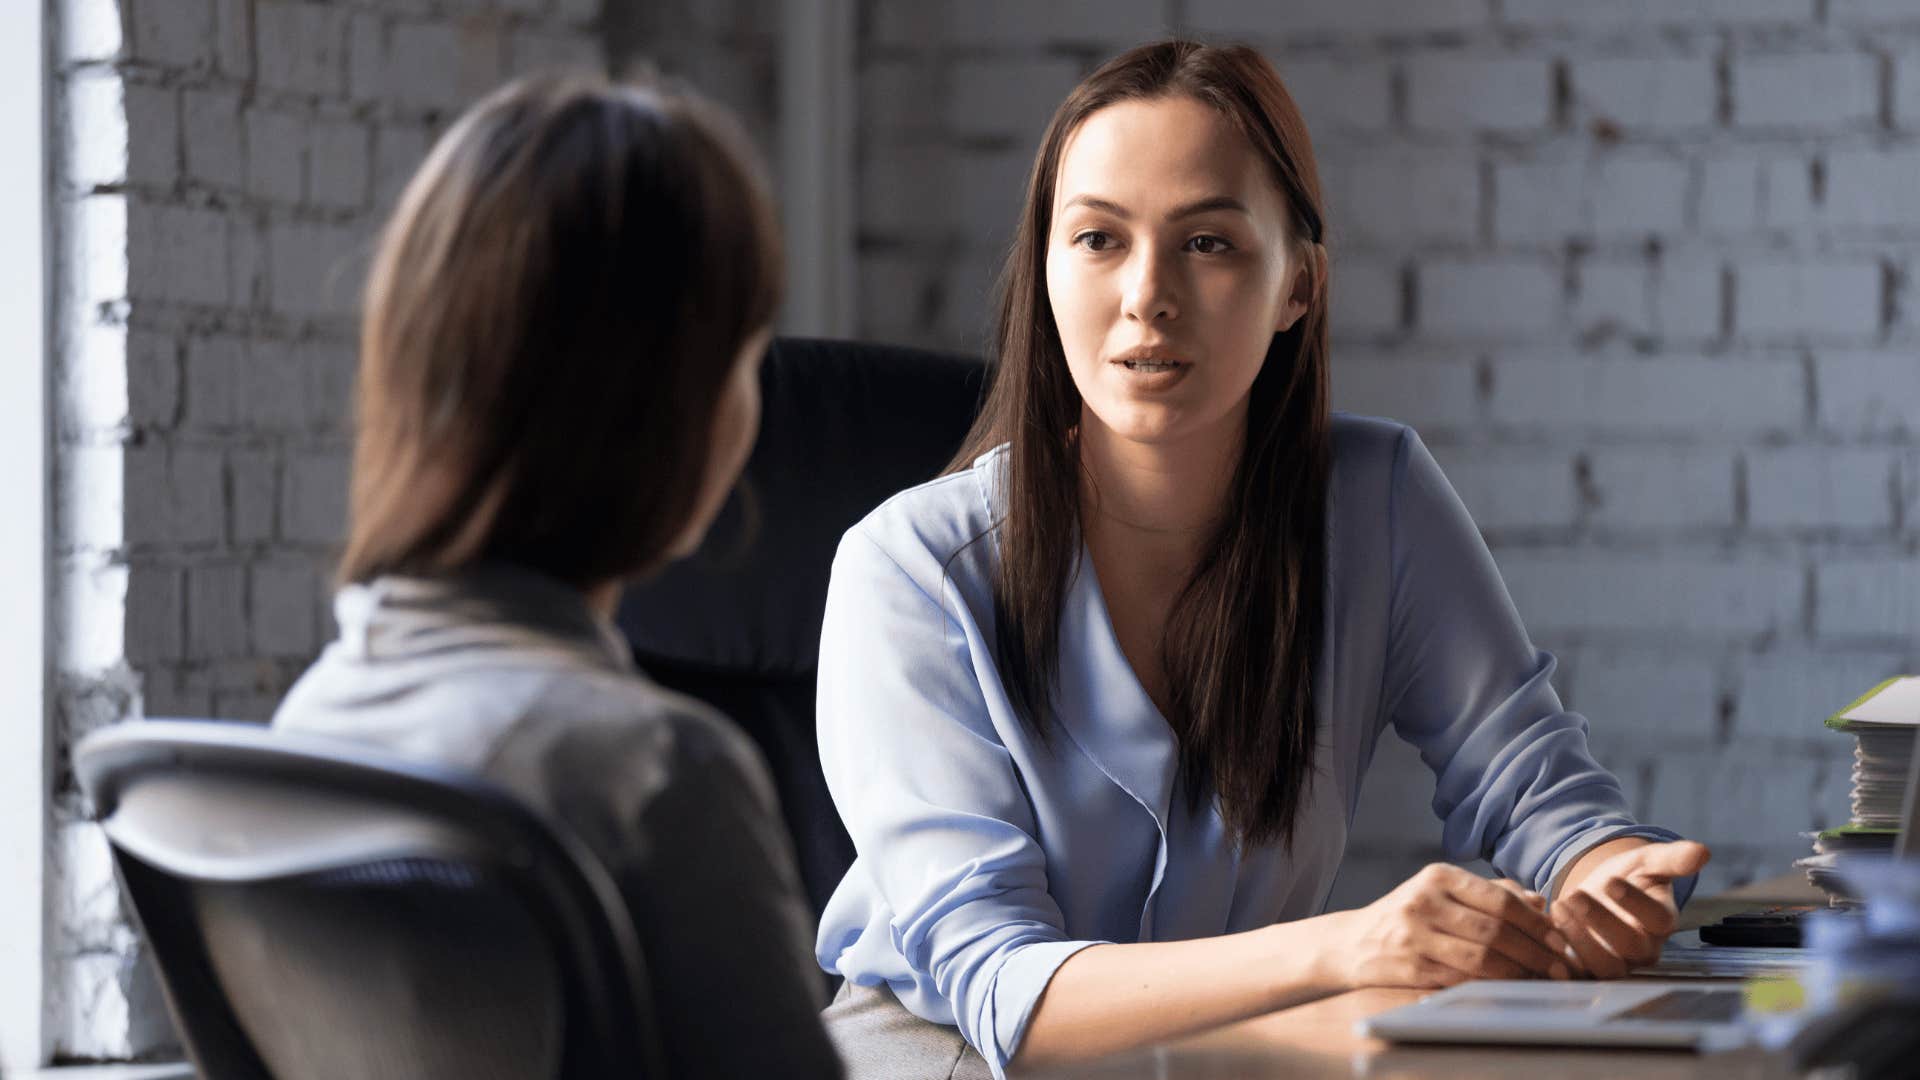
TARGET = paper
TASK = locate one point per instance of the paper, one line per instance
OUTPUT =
(1896, 701)
(1686, 958)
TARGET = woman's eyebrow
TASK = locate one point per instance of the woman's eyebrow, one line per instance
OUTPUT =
(1198, 206)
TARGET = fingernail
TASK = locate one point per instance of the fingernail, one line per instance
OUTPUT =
(1559, 971)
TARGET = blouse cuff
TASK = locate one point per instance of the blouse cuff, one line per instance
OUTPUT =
(1017, 987)
(1571, 852)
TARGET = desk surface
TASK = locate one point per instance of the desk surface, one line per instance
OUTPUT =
(1317, 1039)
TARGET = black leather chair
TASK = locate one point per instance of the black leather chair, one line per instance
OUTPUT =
(844, 426)
(320, 910)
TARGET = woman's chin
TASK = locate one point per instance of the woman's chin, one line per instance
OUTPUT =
(1148, 425)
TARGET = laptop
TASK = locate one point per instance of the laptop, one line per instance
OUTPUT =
(1675, 1015)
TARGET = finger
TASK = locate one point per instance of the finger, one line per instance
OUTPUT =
(1627, 943)
(1483, 895)
(1483, 929)
(1667, 861)
(1654, 915)
(1427, 973)
(1470, 958)
(1533, 899)
(1556, 941)
(1594, 957)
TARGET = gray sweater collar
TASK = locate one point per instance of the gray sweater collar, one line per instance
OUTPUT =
(397, 617)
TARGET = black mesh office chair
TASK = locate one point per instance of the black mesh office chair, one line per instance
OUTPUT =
(322, 911)
(844, 426)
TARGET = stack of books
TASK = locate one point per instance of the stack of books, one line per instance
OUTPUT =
(1883, 722)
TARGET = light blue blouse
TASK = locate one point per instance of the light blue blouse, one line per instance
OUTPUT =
(986, 858)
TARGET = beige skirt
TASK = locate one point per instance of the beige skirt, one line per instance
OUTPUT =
(879, 1039)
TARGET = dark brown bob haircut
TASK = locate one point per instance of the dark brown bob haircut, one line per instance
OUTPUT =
(552, 313)
(1244, 636)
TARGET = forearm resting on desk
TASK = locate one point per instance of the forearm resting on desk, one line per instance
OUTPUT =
(1109, 998)
(1440, 927)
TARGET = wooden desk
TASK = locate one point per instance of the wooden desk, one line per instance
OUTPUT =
(1318, 1040)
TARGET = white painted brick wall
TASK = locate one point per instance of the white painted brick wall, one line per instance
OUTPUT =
(1017, 24)
(1341, 95)
(1010, 98)
(1327, 17)
(221, 168)
(1808, 298)
(1647, 93)
(1448, 93)
(1681, 595)
(1636, 700)
(1655, 14)
(1873, 189)
(299, 47)
(1613, 296)
(1649, 490)
(1687, 299)
(1906, 90)
(1626, 397)
(1638, 195)
(1454, 293)
(1805, 91)
(1875, 598)
(1432, 394)
(1387, 199)
(1868, 394)
(1821, 488)
(1368, 295)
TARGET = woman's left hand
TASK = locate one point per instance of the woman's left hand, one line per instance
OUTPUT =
(1620, 913)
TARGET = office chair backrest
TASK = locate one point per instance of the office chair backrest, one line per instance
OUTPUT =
(844, 426)
(319, 910)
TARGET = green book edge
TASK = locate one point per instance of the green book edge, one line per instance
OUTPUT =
(1856, 830)
(1836, 723)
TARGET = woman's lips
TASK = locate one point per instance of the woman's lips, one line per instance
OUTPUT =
(1152, 374)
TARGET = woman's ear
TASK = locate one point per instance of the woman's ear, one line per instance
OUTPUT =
(1306, 287)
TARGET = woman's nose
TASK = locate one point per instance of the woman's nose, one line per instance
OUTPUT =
(1149, 294)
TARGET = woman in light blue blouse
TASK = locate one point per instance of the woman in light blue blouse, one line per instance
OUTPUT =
(1096, 705)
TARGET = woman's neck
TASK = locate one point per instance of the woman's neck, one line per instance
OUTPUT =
(604, 599)
(1156, 503)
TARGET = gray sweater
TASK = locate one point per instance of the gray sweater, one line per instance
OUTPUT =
(511, 675)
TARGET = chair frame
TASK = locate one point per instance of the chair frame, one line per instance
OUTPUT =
(214, 802)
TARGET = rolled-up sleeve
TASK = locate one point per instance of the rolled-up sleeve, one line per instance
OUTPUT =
(931, 796)
(1515, 781)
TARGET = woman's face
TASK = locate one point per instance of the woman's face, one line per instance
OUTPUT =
(1169, 268)
(736, 423)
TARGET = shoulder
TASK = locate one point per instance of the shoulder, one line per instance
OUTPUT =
(1371, 456)
(935, 530)
(1367, 445)
(627, 728)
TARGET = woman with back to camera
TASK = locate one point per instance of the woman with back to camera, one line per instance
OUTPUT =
(1097, 704)
(558, 386)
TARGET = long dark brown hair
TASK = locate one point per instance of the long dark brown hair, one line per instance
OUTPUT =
(551, 318)
(1244, 634)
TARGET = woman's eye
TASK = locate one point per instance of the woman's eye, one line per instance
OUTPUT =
(1209, 245)
(1094, 240)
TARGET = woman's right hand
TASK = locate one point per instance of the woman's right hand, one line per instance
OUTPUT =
(1443, 926)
